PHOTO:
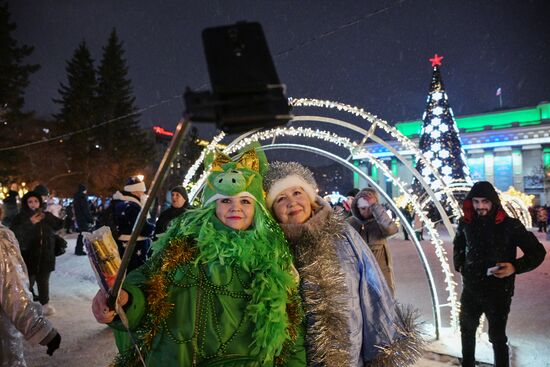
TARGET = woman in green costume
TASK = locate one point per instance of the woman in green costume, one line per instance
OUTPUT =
(220, 289)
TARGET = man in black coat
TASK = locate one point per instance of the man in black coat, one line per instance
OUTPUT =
(179, 204)
(485, 254)
(84, 219)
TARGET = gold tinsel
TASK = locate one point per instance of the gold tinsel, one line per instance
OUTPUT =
(295, 316)
(177, 253)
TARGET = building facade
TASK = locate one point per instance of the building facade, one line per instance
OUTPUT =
(506, 148)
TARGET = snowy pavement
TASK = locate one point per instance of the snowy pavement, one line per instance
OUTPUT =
(87, 343)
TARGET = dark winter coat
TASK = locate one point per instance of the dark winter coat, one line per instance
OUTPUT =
(127, 208)
(166, 217)
(10, 208)
(82, 213)
(482, 242)
(36, 241)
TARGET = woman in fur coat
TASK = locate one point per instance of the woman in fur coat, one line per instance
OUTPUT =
(352, 318)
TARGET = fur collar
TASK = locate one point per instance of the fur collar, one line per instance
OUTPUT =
(126, 196)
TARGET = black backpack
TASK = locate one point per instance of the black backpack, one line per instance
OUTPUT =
(107, 218)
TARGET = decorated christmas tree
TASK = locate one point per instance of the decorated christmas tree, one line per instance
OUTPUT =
(439, 140)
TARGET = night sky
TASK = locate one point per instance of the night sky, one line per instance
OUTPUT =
(373, 54)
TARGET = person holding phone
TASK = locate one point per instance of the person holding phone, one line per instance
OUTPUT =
(35, 231)
(370, 219)
(485, 248)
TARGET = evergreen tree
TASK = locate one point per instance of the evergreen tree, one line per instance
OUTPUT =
(439, 141)
(78, 105)
(14, 78)
(123, 141)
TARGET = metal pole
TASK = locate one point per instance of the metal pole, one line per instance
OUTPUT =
(181, 131)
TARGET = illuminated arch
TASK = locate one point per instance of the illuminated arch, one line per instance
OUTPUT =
(262, 135)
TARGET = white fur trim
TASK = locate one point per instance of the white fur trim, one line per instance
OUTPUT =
(285, 183)
(220, 196)
(137, 187)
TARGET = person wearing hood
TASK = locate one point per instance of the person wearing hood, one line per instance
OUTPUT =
(35, 231)
(179, 204)
(485, 249)
(127, 205)
(370, 219)
(352, 318)
(83, 216)
(220, 289)
(19, 315)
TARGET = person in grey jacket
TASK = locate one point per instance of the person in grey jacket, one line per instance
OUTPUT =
(373, 223)
(352, 319)
(19, 315)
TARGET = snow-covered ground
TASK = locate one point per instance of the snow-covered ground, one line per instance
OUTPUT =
(87, 343)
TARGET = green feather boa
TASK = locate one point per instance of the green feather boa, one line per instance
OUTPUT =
(261, 251)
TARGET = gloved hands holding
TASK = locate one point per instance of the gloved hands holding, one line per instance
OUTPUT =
(53, 345)
(52, 341)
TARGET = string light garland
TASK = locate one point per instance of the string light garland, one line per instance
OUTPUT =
(83, 130)
(351, 146)
(440, 140)
(405, 142)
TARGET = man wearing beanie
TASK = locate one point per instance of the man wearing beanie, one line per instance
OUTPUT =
(127, 205)
(485, 255)
(180, 203)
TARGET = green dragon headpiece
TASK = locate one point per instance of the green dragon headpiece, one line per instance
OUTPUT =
(242, 177)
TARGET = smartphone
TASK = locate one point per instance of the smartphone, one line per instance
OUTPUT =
(238, 58)
(246, 91)
(492, 269)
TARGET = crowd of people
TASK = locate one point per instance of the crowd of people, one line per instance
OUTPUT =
(258, 274)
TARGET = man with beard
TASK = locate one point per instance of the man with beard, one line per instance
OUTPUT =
(485, 254)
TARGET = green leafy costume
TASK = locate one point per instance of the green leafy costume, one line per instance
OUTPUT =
(214, 296)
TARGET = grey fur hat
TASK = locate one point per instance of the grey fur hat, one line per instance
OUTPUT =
(282, 175)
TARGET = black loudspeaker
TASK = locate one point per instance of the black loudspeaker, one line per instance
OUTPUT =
(246, 91)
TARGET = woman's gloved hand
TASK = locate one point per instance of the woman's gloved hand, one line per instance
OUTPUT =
(53, 345)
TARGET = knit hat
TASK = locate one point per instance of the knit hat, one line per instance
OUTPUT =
(484, 189)
(181, 190)
(41, 190)
(283, 175)
(352, 192)
(230, 178)
(134, 184)
(361, 200)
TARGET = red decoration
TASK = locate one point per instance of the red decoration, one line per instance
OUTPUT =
(436, 60)
(161, 131)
